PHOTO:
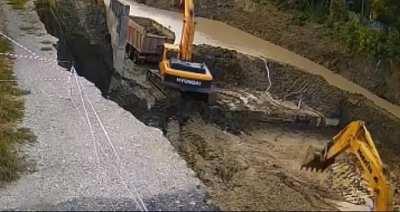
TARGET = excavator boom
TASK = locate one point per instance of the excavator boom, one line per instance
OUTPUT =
(188, 30)
(357, 140)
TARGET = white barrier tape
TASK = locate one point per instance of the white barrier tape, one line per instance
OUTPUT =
(44, 60)
(16, 56)
(18, 44)
(8, 80)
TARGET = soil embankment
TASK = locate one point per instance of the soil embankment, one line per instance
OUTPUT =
(247, 165)
(83, 35)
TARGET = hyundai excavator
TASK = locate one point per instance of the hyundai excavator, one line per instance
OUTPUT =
(176, 69)
(356, 139)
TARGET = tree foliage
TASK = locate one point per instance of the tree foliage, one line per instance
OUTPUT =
(369, 27)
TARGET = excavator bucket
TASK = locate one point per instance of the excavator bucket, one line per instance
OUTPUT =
(314, 160)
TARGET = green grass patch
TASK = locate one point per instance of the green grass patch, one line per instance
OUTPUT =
(17, 4)
(11, 113)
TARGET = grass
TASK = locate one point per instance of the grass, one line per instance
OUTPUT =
(17, 4)
(11, 114)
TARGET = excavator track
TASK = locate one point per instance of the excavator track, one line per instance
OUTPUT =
(154, 78)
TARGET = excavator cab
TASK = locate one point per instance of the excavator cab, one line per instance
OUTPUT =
(183, 75)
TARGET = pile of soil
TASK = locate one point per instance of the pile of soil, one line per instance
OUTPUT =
(150, 26)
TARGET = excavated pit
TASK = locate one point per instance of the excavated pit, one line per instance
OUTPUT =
(248, 158)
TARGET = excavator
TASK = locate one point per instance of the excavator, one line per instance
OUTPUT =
(176, 69)
(356, 139)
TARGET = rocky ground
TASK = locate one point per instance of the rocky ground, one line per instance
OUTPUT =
(104, 159)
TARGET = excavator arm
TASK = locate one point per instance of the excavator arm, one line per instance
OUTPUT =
(188, 30)
(357, 140)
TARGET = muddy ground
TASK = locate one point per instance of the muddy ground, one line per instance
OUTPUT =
(246, 165)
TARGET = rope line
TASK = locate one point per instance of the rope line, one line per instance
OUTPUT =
(18, 44)
(119, 161)
(87, 116)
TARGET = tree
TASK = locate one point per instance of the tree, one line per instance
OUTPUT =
(338, 11)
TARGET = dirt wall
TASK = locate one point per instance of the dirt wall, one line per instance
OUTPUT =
(83, 36)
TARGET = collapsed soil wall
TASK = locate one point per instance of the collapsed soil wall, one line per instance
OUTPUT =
(83, 36)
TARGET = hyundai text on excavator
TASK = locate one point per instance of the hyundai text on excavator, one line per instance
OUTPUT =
(357, 140)
(176, 69)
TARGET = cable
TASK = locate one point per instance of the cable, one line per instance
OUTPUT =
(8, 81)
(269, 78)
(18, 44)
(87, 115)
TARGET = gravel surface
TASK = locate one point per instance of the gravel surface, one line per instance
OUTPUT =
(78, 165)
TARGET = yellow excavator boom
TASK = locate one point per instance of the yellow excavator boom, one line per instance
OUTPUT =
(356, 139)
(188, 31)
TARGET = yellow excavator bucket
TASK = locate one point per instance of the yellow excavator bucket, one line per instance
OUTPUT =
(356, 140)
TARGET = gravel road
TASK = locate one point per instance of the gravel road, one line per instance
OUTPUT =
(111, 162)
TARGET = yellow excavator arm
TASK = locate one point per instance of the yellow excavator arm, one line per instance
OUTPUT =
(357, 140)
(188, 30)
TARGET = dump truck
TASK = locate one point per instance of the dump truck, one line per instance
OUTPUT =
(146, 39)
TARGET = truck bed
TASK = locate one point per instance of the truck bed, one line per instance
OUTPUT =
(152, 27)
(146, 39)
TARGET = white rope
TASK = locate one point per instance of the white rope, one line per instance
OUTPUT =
(269, 78)
(18, 44)
(119, 162)
(87, 116)
(8, 80)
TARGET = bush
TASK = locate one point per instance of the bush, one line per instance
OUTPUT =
(361, 39)
(17, 4)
